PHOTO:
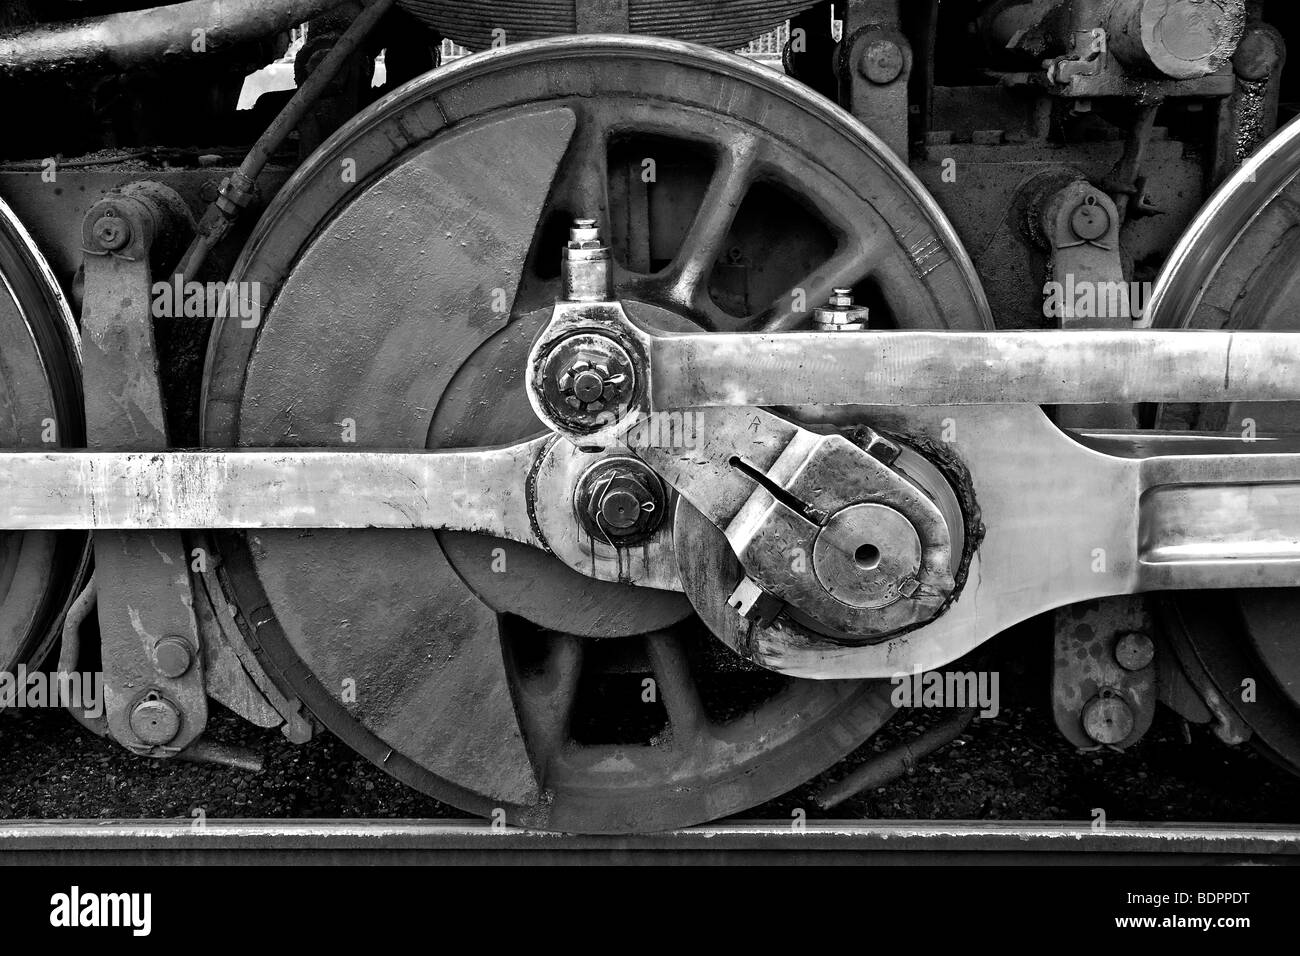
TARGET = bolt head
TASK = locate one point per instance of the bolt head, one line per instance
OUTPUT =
(155, 720)
(882, 61)
(621, 509)
(620, 501)
(1134, 651)
(584, 375)
(588, 385)
(112, 232)
(1090, 222)
(172, 656)
(1107, 719)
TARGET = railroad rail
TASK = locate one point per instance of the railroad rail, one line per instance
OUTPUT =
(755, 843)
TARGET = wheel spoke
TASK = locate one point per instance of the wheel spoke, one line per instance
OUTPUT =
(847, 268)
(582, 185)
(688, 276)
(546, 700)
(676, 684)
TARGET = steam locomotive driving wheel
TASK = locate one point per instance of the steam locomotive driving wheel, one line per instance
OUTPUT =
(406, 270)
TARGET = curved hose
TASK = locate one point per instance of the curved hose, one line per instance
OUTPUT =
(71, 651)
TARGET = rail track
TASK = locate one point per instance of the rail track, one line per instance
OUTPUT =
(478, 842)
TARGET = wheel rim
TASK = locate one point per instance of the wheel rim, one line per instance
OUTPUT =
(1238, 267)
(456, 694)
(39, 394)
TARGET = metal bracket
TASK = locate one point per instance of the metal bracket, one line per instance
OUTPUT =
(1104, 682)
(875, 67)
(1082, 224)
(150, 646)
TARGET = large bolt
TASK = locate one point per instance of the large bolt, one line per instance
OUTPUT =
(585, 265)
(172, 656)
(1107, 719)
(112, 232)
(585, 378)
(1134, 651)
(840, 314)
(620, 501)
(155, 720)
(595, 380)
(882, 61)
(1090, 221)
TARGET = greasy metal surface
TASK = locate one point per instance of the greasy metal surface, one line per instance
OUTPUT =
(40, 402)
(477, 149)
(974, 368)
(903, 843)
(1029, 478)
(139, 38)
(560, 472)
(743, 455)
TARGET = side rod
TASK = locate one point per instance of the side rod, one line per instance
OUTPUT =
(1086, 367)
(480, 490)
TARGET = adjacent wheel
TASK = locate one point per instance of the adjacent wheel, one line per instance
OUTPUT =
(40, 407)
(408, 266)
(1238, 267)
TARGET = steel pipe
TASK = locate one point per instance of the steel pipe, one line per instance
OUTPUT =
(134, 38)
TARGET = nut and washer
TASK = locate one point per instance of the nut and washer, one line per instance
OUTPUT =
(585, 266)
(839, 314)
(587, 379)
(620, 501)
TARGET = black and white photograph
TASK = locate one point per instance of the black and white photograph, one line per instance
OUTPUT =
(646, 433)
